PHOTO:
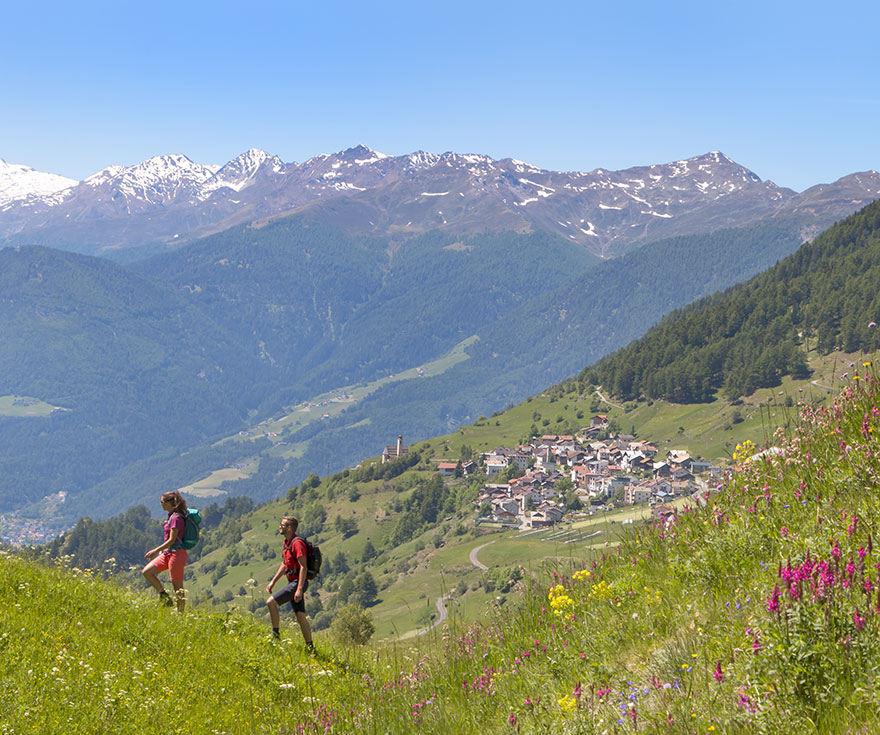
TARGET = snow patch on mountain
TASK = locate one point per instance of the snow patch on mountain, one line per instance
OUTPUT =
(18, 182)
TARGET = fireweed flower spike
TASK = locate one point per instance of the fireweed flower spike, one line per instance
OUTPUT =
(858, 620)
(773, 602)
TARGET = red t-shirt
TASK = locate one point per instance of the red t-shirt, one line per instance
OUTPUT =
(293, 549)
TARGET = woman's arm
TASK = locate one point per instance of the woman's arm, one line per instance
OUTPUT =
(172, 539)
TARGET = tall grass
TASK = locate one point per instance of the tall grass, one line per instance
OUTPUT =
(755, 611)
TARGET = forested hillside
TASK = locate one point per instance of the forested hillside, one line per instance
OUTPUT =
(327, 309)
(128, 363)
(824, 296)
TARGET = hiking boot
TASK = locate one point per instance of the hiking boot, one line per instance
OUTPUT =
(165, 599)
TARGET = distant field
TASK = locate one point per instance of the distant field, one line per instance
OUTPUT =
(210, 485)
(24, 406)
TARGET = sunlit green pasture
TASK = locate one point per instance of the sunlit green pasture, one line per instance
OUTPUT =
(209, 486)
(23, 406)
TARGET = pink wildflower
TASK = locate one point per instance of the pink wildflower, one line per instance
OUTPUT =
(718, 674)
(773, 602)
(852, 526)
(783, 532)
(858, 620)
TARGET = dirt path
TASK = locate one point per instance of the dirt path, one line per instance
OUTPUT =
(605, 400)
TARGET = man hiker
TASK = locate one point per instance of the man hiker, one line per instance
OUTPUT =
(294, 565)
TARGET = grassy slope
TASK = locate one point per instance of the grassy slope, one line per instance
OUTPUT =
(679, 630)
(432, 573)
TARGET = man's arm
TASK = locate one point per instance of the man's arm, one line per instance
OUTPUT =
(303, 571)
(281, 570)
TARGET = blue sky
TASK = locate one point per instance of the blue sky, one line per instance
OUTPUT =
(788, 89)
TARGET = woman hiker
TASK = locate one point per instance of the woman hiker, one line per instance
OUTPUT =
(170, 554)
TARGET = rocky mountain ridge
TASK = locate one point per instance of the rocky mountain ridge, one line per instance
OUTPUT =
(170, 199)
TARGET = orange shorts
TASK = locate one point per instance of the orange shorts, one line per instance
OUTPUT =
(175, 561)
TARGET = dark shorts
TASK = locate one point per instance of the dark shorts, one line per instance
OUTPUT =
(286, 595)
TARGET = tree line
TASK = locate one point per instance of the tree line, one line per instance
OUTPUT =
(825, 296)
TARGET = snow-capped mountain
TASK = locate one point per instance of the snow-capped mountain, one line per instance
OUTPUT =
(19, 183)
(158, 181)
(172, 199)
(242, 171)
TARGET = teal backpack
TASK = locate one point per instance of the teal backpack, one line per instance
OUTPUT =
(191, 529)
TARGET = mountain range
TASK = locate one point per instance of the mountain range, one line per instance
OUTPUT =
(338, 273)
(169, 199)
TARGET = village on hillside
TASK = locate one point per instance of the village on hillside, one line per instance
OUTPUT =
(541, 482)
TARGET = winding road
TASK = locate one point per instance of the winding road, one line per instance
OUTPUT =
(473, 556)
(441, 608)
(441, 601)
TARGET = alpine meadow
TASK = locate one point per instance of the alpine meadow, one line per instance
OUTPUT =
(484, 369)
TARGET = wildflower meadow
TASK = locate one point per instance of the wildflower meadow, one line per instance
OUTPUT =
(755, 610)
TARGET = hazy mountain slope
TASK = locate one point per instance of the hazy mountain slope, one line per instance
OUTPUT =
(134, 366)
(439, 290)
(326, 309)
(280, 288)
